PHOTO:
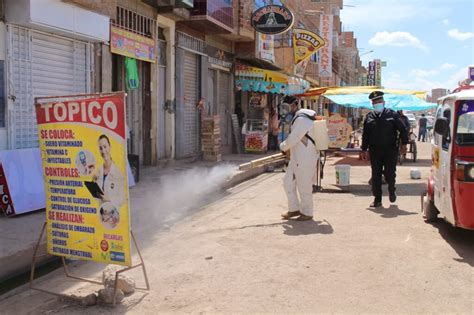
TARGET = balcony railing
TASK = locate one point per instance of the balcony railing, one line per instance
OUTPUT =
(219, 10)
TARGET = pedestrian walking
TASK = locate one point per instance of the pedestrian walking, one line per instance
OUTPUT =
(422, 122)
(302, 166)
(382, 127)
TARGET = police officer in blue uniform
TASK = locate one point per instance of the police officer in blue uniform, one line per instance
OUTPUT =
(383, 129)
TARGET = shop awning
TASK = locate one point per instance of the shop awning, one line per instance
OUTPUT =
(394, 101)
(253, 79)
(358, 97)
(338, 90)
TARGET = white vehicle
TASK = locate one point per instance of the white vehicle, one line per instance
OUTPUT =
(450, 193)
(411, 119)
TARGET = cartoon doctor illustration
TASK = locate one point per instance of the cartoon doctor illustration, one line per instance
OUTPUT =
(108, 176)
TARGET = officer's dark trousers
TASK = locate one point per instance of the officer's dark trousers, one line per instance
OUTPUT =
(383, 161)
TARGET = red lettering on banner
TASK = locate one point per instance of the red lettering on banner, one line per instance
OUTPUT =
(104, 112)
(6, 202)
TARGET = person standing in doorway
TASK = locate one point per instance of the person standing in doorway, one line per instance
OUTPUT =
(380, 138)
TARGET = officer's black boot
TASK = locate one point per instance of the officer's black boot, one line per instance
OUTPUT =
(392, 196)
(377, 203)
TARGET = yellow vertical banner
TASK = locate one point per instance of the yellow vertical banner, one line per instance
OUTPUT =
(305, 43)
(84, 156)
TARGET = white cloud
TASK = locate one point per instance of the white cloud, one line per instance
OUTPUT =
(395, 80)
(400, 39)
(447, 66)
(424, 73)
(382, 14)
(458, 35)
(445, 22)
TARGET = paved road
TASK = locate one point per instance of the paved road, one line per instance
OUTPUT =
(236, 255)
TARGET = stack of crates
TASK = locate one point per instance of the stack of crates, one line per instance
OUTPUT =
(211, 139)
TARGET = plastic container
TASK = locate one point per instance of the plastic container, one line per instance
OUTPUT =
(320, 135)
(343, 175)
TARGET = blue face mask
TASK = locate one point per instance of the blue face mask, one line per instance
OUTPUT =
(379, 107)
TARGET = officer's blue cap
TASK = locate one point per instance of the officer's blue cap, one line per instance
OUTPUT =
(375, 95)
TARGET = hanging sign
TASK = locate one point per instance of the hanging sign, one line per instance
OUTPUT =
(83, 149)
(325, 59)
(305, 43)
(132, 45)
(272, 19)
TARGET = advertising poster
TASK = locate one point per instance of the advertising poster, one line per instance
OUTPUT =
(83, 150)
(265, 47)
(305, 44)
(132, 45)
(339, 131)
(256, 141)
(325, 59)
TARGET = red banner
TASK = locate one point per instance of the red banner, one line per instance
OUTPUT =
(104, 112)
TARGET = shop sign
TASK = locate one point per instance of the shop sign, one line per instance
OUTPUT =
(132, 45)
(256, 141)
(378, 72)
(265, 47)
(325, 59)
(84, 158)
(272, 19)
(305, 44)
(300, 68)
(339, 131)
(219, 56)
(371, 74)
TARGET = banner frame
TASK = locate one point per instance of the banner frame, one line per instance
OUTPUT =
(68, 275)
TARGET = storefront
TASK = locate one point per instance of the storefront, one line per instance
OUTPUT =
(259, 94)
(134, 46)
(47, 54)
(219, 93)
(190, 55)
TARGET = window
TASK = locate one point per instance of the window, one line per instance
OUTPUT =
(447, 137)
(465, 127)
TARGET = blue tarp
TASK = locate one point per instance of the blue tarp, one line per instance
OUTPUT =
(393, 101)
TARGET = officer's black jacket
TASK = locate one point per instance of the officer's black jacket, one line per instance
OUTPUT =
(380, 130)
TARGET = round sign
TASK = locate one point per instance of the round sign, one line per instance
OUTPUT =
(272, 19)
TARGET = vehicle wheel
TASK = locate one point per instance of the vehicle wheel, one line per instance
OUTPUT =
(414, 152)
(430, 213)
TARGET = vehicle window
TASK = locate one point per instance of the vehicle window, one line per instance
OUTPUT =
(465, 127)
(447, 138)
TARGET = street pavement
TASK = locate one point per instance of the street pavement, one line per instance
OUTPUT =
(231, 253)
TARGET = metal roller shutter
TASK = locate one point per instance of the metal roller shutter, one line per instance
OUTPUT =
(190, 135)
(41, 64)
(225, 110)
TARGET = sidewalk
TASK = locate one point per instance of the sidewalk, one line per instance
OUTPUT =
(20, 234)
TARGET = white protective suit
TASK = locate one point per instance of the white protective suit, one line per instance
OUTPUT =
(302, 166)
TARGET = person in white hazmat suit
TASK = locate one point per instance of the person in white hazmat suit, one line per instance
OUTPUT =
(302, 166)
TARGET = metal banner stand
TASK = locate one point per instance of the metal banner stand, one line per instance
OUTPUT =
(66, 271)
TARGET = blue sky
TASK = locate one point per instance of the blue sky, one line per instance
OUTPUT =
(426, 43)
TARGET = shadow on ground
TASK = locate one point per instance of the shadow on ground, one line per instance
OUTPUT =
(391, 212)
(403, 189)
(462, 241)
(295, 228)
